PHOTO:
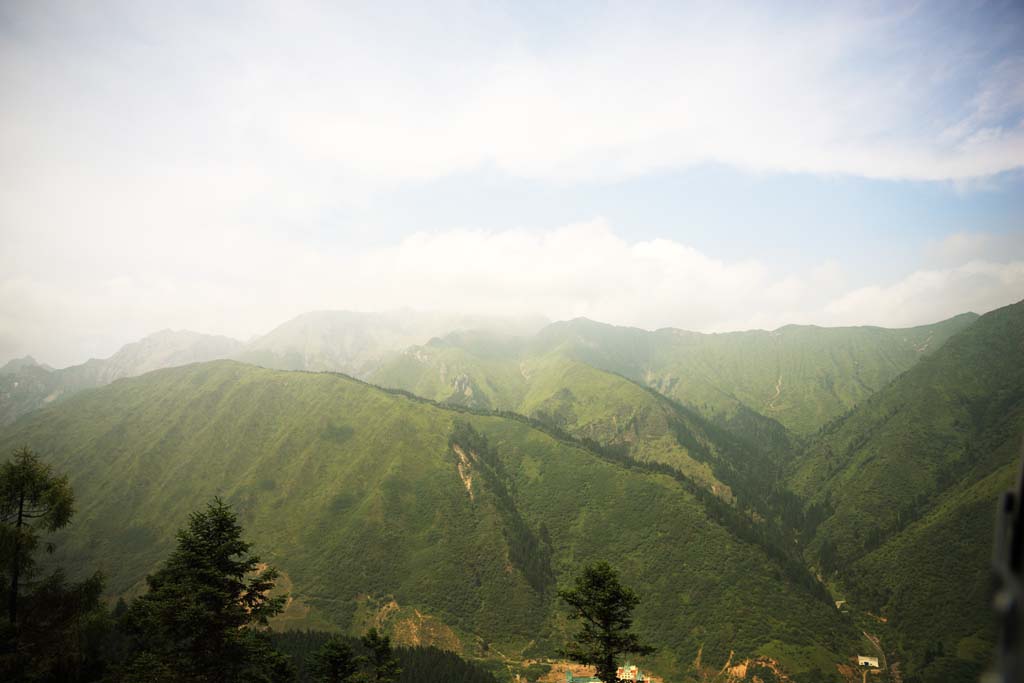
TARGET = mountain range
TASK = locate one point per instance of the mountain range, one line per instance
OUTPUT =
(743, 483)
(343, 341)
(373, 502)
(801, 376)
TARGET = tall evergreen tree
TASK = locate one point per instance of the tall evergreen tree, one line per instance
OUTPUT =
(382, 660)
(54, 630)
(336, 662)
(201, 619)
(604, 607)
(33, 499)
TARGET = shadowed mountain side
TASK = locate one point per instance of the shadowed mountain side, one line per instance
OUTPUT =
(911, 477)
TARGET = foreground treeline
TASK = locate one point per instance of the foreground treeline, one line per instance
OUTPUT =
(205, 615)
(203, 618)
(416, 665)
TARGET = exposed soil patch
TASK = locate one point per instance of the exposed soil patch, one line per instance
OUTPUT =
(465, 467)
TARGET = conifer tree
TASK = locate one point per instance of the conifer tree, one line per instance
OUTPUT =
(604, 606)
(335, 662)
(382, 660)
(52, 631)
(33, 499)
(201, 619)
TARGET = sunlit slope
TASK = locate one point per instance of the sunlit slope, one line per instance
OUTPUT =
(801, 376)
(360, 495)
(589, 403)
(474, 369)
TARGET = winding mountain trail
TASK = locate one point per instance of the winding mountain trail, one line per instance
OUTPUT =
(894, 670)
(778, 392)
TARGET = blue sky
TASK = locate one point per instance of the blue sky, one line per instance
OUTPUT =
(699, 165)
(725, 212)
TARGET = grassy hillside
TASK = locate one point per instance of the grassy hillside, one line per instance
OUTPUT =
(801, 376)
(488, 372)
(385, 509)
(911, 479)
(952, 418)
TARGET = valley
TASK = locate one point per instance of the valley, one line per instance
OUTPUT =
(511, 342)
(447, 505)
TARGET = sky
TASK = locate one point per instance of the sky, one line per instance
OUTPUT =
(223, 167)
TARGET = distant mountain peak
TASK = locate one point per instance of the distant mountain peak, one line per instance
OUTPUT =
(16, 364)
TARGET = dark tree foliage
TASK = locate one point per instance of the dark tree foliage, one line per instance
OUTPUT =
(383, 665)
(430, 665)
(336, 662)
(604, 607)
(33, 499)
(418, 664)
(63, 630)
(201, 619)
(53, 630)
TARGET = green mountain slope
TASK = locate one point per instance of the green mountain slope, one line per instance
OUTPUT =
(321, 340)
(491, 372)
(379, 507)
(556, 377)
(911, 478)
(933, 582)
(801, 376)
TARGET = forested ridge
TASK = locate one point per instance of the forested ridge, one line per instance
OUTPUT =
(460, 520)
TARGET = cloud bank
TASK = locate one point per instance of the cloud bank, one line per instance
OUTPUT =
(195, 166)
(314, 100)
(241, 287)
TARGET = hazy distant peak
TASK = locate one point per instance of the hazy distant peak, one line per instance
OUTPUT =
(16, 364)
(165, 348)
(168, 333)
(357, 342)
(582, 324)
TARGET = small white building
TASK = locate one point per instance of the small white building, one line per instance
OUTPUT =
(867, 661)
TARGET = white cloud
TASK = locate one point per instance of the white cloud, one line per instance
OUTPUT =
(587, 270)
(627, 99)
(189, 166)
(961, 247)
(314, 102)
(245, 286)
(928, 295)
